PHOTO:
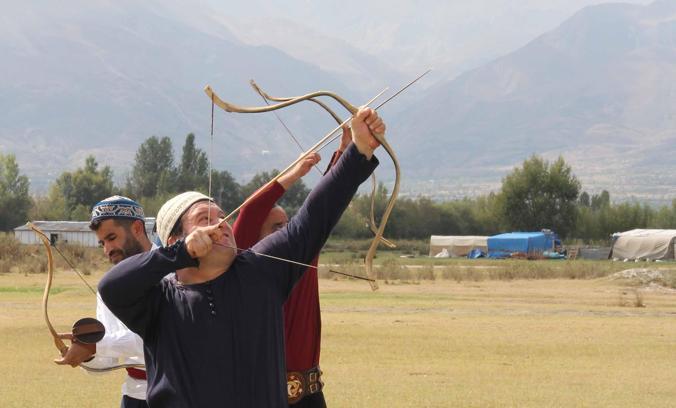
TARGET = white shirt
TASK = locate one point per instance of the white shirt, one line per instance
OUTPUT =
(119, 346)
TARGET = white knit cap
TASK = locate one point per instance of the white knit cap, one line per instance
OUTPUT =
(172, 211)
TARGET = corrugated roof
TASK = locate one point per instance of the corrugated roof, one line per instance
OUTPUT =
(72, 226)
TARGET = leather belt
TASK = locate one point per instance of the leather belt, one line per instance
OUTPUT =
(136, 373)
(300, 384)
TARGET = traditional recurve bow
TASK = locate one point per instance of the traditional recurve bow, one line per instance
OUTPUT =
(83, 327)
(229, 107)
(266, 97)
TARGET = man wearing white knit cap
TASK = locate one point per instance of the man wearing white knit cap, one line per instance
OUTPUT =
(214, 333)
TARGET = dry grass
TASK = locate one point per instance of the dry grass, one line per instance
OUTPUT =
(495, 343)
(490, 343)
(28, 259)
(392, 267)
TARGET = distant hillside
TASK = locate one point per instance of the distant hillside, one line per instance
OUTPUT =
(99, 77)
(600, 90)
(451, 36)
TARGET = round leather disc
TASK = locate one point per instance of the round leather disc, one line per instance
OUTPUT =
(88, 330)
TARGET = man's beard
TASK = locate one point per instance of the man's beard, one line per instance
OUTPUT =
(131, 247)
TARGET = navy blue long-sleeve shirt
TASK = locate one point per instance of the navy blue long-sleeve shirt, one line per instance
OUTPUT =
(221, 343)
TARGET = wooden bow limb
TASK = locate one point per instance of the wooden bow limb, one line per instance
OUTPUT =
(352, 109)
(279, 119)
(372, 217)
(266, 97)
(60, 345)
(368, 259)
(310, 151)
(229, 107)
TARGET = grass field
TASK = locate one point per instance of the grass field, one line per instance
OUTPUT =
(442, 343)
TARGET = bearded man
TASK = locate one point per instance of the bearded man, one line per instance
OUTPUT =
(119, 224)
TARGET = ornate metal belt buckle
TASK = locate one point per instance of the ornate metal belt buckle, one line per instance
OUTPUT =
(295, 388)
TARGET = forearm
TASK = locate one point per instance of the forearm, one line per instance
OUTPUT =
(333, 161)
(286, 180)
(126, 288)
(308, 230)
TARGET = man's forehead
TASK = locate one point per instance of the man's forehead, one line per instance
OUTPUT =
(107, 226)
(202, 206)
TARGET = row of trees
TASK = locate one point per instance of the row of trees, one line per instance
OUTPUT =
(14, 199)
(537, 195)
(153, 180)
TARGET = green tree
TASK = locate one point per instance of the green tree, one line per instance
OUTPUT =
(362, 205)
(665, 217)
(193, 170)
(74, 193)
(291, 200)
(486, 213)
(14, 199)
(599, 201)
(225, 190)
(153, 170)
(352, 225)
(627, 216)
(540, 195)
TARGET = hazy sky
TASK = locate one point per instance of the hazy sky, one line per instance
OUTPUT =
(452, 35)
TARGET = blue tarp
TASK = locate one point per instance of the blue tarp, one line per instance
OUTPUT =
(502, 245)
(476, 253)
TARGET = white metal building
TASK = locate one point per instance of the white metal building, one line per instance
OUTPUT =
(457, 246)
(67, 232)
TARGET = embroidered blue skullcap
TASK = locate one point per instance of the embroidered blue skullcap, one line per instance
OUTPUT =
(117, 207)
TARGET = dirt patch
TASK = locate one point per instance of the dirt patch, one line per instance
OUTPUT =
(647, 277)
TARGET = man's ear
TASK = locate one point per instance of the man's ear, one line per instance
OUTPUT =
(138, 228)
(171, 240)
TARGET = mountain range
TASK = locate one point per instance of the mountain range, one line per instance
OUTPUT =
(98, 77)
(598, 90)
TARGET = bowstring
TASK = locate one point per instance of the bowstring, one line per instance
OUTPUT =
(211, 151)
(72, 267)
(300, 146)
(296, 262)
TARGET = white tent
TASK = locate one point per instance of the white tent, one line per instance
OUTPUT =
(457, 246)
(644, 244)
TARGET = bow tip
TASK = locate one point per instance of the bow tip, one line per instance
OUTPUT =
(374, 285)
